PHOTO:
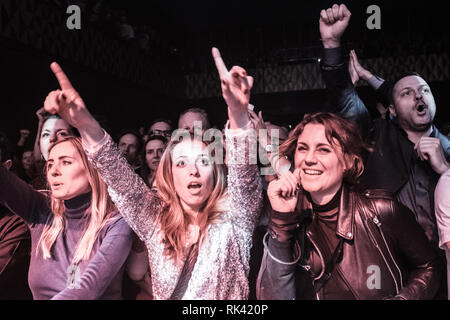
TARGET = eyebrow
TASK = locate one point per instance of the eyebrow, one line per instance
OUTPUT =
(410, 87)
(317, 145)
(57, 130)
(60, 158)
(200, 155)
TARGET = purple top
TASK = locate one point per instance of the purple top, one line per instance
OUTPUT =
(98, 278)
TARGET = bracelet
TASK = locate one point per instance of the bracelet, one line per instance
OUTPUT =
(297, 247)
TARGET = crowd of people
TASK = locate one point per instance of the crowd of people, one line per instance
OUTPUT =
(343, 206)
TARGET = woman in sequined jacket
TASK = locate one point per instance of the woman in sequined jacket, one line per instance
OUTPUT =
(198, 231)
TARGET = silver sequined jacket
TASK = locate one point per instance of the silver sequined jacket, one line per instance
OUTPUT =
(222, 265)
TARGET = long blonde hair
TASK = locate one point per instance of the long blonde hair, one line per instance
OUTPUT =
(174, 222)
(100, 211)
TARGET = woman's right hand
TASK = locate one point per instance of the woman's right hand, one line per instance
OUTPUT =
(236, 85)
(70, 107)
(67, 102)
(283, 192)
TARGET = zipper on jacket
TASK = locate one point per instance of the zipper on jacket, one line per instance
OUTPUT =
(322, 263)
(378, 223)
(382, 255)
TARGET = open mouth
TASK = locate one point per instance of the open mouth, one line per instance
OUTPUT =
(421, 109)
(194, 186)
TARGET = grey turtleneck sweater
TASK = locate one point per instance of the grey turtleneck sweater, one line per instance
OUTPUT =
(98, 278)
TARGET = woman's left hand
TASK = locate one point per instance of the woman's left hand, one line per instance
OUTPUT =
(236, 86)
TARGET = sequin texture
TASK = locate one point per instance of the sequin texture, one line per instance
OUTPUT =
(222, 265)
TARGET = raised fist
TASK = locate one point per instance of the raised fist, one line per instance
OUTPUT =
(332, 24)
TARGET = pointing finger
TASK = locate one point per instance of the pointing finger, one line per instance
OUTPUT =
(64, 82)
(220, 65)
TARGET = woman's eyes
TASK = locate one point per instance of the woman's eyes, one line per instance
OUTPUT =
(322, 150)
(64, 163)
(180, 163)
(204, 162)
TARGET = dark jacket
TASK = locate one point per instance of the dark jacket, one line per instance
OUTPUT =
(15, 247)
(393, 159)
(388, 166)
(376, 231)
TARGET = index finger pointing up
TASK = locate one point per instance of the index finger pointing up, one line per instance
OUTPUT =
(220, 65)
(64, 82)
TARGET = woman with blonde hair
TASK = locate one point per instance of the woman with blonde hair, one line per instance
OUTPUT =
(198, 231)
(79, 241)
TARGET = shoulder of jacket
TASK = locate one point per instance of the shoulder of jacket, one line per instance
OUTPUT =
(377, 194)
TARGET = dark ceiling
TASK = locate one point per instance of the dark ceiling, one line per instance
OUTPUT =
(254, 32)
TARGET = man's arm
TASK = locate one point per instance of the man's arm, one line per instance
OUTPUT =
(344, 98)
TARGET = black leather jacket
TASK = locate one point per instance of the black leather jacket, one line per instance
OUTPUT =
(376, 231)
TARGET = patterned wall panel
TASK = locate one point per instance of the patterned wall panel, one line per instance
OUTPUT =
(42, 25)
(433, 67)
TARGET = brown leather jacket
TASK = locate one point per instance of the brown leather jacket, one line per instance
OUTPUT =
(376, 231)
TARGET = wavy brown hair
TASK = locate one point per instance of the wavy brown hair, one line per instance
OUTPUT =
(339, 130)
(174, 222)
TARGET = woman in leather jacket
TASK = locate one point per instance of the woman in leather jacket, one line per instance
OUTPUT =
(327, 239)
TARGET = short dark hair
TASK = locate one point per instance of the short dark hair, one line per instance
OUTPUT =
(397, 79)
(196, 110)
(345, 132)
(169, 122)
(134, 133)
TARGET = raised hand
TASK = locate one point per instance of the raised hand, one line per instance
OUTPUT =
(24, 133)
(332, 24)
(236, 86)
(352, 70)
(70, 107)
(66, 102)
(283, 192)
(356, 67)
(430, 149)
(257, 120)
(41, 114)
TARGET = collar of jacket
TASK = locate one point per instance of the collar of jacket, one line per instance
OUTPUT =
(346, 216)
